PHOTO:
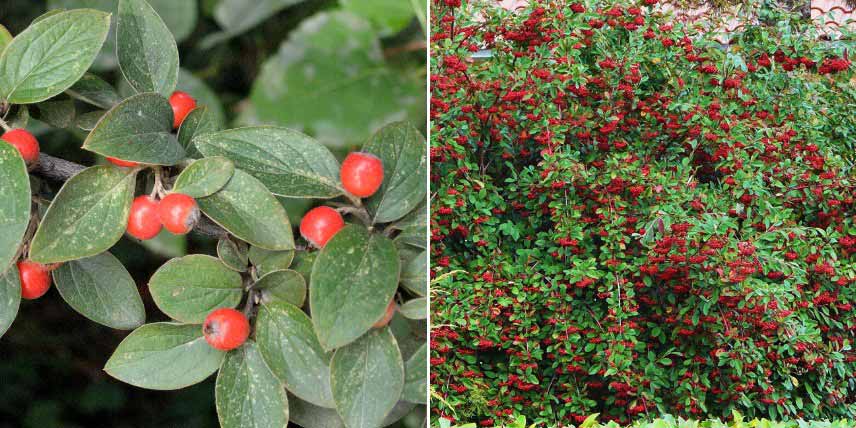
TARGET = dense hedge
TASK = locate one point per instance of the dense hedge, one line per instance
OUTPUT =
(669, 421)
(631, 218)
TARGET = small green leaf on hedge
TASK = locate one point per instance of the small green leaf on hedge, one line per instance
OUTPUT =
(288, 162)
(101, 289)
(204, 177)
(353, 279)
(414, 275)
(416, 309)
(283, 286)
(402, 149)
(50, 55)
(266, 261)
(199, 121)
(10, 298)
(367, 378)
(138, 129)
(232, 254)
(247, 394)
(5, 38)
(413, 228)
(289, 346)
(189, 288)
(93, 90)
(14, 203)
(249, 211)
(164, 356)
(87, 216)
(148, 55)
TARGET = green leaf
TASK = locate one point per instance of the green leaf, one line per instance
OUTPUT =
(88, 120)
(10, 299)
(100, 289)
(204, 177)
(306, 87)
(388, 17)
(93, 90)
(205, 97)
(353, 280)
(14, 203)
(303, 261)
(87, 216)
(287, 162)
(283, 286)
(247, 393)
(289, 346)
(413, 227)
(50, 55)
(148, 55)
(402, 150)
(416, 309)
(166, 245)
(164, 356)
(237, 16)
(189, 288)
(367, 378)
(232, 255)
(199, 121)
(57, 113)
(249, 211)
(266, 261)
(414, 277)
(416, 377)
(138, 129)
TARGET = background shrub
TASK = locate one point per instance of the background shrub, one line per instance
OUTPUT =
(631, 218)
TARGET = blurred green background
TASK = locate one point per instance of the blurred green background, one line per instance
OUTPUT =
(335, 69)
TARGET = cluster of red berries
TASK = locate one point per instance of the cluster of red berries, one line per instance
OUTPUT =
(176, 212)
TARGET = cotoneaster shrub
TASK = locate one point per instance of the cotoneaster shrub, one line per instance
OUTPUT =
(631, 218)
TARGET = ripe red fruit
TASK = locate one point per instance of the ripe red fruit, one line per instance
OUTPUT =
(178, 213)
(361, 174)
(387, 317)
(226, 329)
(182, 103)
(144, 222)
(35, 279)
(320, 224)
(120, 162)
(25, 142)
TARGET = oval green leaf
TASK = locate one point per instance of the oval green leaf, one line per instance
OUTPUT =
(204, 177)
(353, 280)
(413, 228)
(416, 377)
(233, 256)
(287, 162)
(367, 378)
(50, 55)
(247, 394)
(189, 288)
(93, 90)
(14, 203)
(138, 129)
(10, 299)
(402, 149)
(283, 286)
(416, 309)
(291, 350)
(5, 38)
(100, 289)
(87, 216)
(199, 121)
(306, 414)
(164, 356)
(148, 55)
(247, 209)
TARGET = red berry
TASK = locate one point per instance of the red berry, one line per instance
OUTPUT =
(120, 162)
(387, 317)
(178, 213)
(25, 142)
(35, 279)
(144, 223)
(182, 103)
(361, 174)
(226, 329)
(320, 224)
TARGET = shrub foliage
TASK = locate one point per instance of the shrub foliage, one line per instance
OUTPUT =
(631, 217)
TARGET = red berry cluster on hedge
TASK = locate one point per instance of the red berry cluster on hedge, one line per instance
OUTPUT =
(632, 218)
